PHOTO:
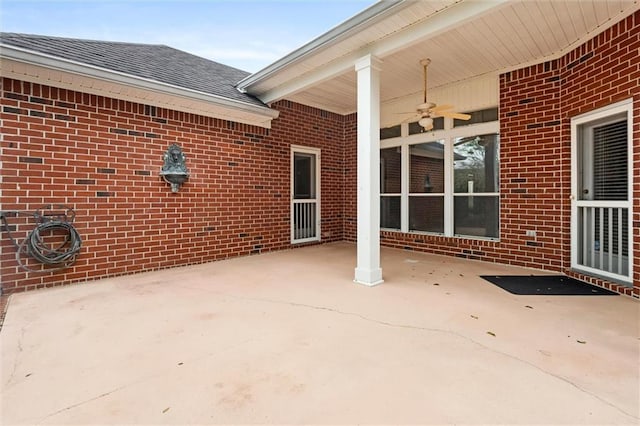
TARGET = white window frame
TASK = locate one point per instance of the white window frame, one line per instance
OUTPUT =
(317, 152)
(448, 135)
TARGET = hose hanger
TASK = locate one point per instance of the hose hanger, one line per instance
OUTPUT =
(53, 242)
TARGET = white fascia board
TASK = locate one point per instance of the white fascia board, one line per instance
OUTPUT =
(365, 18)
(52, 62)
(442, 21)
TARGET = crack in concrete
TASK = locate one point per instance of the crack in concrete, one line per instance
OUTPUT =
(335, 311)
(16, 362)
(86, 401)
(138, 381)
(437, 330)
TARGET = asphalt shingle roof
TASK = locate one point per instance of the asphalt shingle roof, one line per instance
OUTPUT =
(155, 62)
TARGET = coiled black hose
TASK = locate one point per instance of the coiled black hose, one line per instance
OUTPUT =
(59, 254)
(62, 254)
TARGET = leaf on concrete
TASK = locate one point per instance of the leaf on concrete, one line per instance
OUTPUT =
(165, 410)
(529, 307)
(474, 317)
(491, 333)
(581, 341)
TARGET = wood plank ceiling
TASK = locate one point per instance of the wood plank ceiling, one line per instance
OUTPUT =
(510, 36)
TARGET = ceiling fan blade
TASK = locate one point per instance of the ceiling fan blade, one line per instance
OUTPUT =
(441, 107)
(456, 115)
(414, 117)
(426, 111)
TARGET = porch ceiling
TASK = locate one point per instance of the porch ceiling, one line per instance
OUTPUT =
(464, 39)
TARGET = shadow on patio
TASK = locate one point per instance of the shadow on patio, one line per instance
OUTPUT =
(286, 337)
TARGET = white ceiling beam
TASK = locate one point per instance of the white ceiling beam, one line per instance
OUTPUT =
(437, 24)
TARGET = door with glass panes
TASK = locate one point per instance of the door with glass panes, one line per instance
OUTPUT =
(305, 194)
(601, 199)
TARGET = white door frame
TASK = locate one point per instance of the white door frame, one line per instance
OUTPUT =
(625, 107)
(315, 201)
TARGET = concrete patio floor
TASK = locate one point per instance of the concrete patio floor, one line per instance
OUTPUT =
(286, 337)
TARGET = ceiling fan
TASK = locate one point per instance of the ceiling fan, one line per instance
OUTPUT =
(427, 111)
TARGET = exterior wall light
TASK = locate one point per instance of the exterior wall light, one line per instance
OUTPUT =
(174, 171)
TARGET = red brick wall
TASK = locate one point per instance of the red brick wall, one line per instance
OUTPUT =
(536, 106)
(535, 167)
(601, 72)
(102, 157)
(306, 126)
(350, 177)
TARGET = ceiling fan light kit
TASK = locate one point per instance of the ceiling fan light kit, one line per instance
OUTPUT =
(426, 122)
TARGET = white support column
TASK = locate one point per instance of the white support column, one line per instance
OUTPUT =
(368, 271)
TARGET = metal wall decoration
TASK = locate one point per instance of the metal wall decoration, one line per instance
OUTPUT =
(174, 170)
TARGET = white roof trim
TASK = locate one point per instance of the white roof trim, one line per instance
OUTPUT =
(368, 17)
(448, 18)
(73, 67)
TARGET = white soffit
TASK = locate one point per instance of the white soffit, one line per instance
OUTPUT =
(411, 22)
(325, 48)
(465, 39)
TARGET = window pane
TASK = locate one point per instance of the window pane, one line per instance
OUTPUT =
(304, 185)
(426, 214)
(475, 164)
(482, 116)
(390, 171)
(610, 181)
(476, 216)
(390, 212)
(390, 132)
(427, 168)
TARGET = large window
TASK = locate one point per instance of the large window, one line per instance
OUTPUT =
(426, 187)
(475, 185)
(444, 182)
(390, 188)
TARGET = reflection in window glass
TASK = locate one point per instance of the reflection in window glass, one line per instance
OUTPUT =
(304, 170)
(426, 168)
(475, 168)
(475, 171)
(426, 214)
(426, 178)
(390, 174)
(476, 215)
(390, 212)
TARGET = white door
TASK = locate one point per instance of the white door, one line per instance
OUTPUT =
(305, 194)
(602, 193)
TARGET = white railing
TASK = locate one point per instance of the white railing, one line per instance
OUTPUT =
(604, 239)
(304, 220)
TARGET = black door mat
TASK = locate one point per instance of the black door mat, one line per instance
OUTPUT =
(555, 285)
